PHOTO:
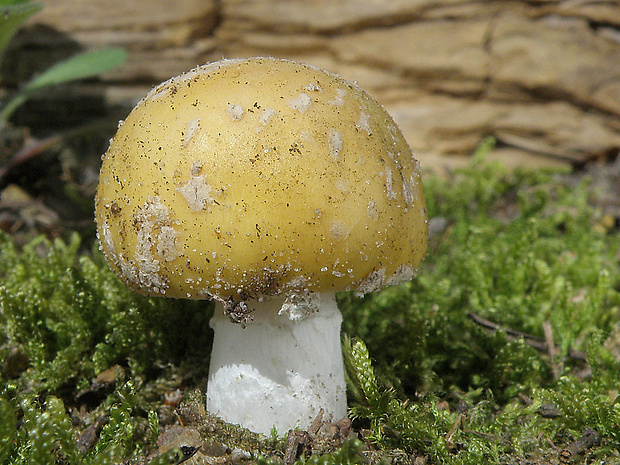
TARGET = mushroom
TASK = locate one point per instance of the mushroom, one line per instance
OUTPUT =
(267, 186)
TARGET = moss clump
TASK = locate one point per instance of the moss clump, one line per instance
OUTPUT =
(525, 251)
(505, 349)
(65, 318)
(73, 318)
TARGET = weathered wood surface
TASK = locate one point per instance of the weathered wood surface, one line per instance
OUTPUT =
(543, 76)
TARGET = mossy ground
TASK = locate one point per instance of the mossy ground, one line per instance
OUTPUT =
(504, 350)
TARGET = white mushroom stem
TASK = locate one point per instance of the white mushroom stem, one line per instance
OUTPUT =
(279, 371)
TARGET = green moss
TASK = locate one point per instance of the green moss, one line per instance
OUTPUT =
(73, 318)
(44, 434)
(524, 250)
(520, 267)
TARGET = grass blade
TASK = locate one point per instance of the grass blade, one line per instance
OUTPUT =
(81, 66)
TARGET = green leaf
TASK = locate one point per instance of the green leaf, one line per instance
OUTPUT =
(81, 66)
(13, 15)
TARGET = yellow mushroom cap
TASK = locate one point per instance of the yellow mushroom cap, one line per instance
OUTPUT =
(249, 178)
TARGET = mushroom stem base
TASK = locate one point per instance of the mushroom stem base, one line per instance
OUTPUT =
(277, 371)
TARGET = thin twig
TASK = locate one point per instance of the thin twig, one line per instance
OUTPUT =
(532, 341)
(458, 424)
(552, 350)
(35, 147)
(316, 423)
(30, 150)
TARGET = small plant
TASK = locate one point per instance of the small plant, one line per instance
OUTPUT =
(81, 66)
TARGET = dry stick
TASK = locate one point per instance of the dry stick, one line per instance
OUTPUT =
(316, 423)
(589, 438)
(552, 349)
(90, 435)
(532, 341)
(299, 443)
(546, 410)
(31, 150)
(458, 424)
(35, 147)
